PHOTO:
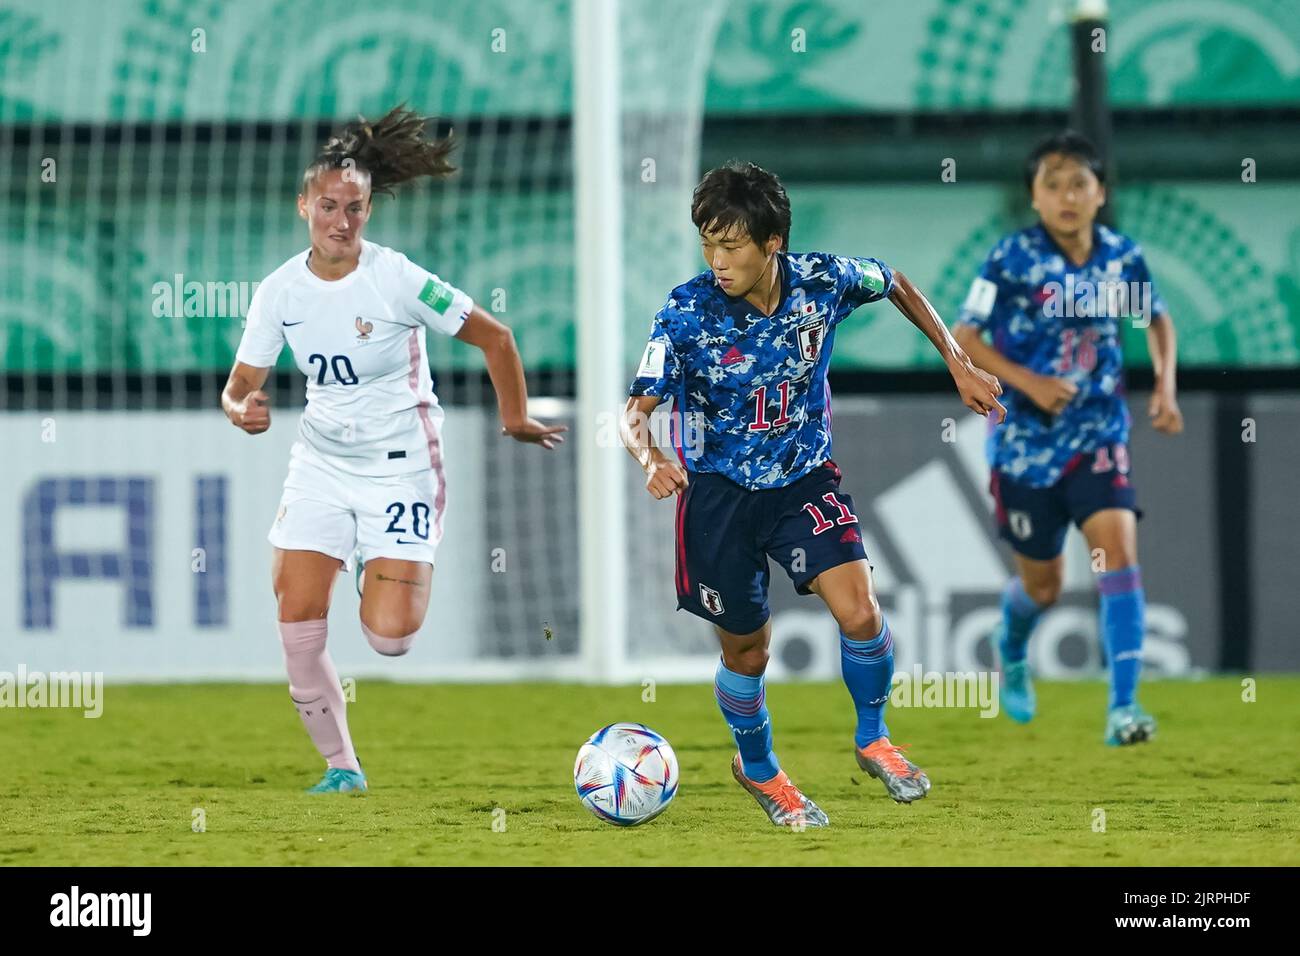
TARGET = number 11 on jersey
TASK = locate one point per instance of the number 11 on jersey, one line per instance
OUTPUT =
(760, 422)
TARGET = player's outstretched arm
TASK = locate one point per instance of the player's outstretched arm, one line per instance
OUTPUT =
(978, 389)
(1051, 393)
(243, 400)
(497, 343)
(1161, 340)
(665, 475)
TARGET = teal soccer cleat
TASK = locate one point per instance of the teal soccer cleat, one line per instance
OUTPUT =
(338, 780)
(1129, 725)
(1017, 691)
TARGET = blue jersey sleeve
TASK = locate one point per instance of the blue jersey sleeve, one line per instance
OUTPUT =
(660, 371)
(989, 294)
(1141, 273)
(862, 281)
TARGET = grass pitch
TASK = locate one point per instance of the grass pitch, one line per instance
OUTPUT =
(1220, 785)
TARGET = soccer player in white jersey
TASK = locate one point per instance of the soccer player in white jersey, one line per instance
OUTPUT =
(366, 474)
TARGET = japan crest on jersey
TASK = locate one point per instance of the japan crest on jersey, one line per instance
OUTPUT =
(811, 335)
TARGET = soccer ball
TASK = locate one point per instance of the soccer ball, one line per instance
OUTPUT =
(626, 774)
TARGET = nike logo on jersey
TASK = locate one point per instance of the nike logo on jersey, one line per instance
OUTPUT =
(400, 541)
(287, 324)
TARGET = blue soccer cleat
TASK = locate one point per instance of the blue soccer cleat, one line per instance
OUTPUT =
(1129, 725)
(1017, 691)
(338, 780)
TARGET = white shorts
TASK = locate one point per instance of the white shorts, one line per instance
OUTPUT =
(332, 511)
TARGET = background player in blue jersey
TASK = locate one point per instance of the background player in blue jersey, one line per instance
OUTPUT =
(1053, 298)
(743, 350)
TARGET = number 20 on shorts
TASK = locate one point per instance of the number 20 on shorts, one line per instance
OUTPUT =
(419, 515)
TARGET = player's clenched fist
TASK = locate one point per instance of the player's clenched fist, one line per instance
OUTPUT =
(253, 414)
(1165, 415)
(1051, 393)
(978, 389)
(665, 477)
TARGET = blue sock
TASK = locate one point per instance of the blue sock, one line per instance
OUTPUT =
(868, 669)
(1019, 615)
(743, 702)
(1123, 608)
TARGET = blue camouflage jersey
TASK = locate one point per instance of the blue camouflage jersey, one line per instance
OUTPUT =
(1061, 319)
(751, 387)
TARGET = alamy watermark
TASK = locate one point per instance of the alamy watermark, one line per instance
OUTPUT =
(182, 298)
(79, 690)
(1107, 298)
(76, 908)
(975, 689)
(666, 430)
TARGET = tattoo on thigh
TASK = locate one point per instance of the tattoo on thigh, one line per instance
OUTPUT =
(379, 575)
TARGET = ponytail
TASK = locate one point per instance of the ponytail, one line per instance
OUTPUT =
(392, 150)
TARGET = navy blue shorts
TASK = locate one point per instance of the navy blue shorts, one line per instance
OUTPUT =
(1034, 520)
(725, 534)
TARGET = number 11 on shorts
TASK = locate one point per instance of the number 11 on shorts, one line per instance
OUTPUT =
(821, 523)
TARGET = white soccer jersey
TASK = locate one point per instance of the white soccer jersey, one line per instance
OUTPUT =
(360, 341)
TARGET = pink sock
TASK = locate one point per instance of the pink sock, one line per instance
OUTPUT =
(315, 690)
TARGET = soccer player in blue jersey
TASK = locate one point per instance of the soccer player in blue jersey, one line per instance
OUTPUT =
(742, 350)
(1053, 298)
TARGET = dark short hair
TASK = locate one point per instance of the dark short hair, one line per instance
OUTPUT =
(745, 195)
(1068, 143)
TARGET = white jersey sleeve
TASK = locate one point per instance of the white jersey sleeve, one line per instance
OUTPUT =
(430, 301)
(263, 335)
